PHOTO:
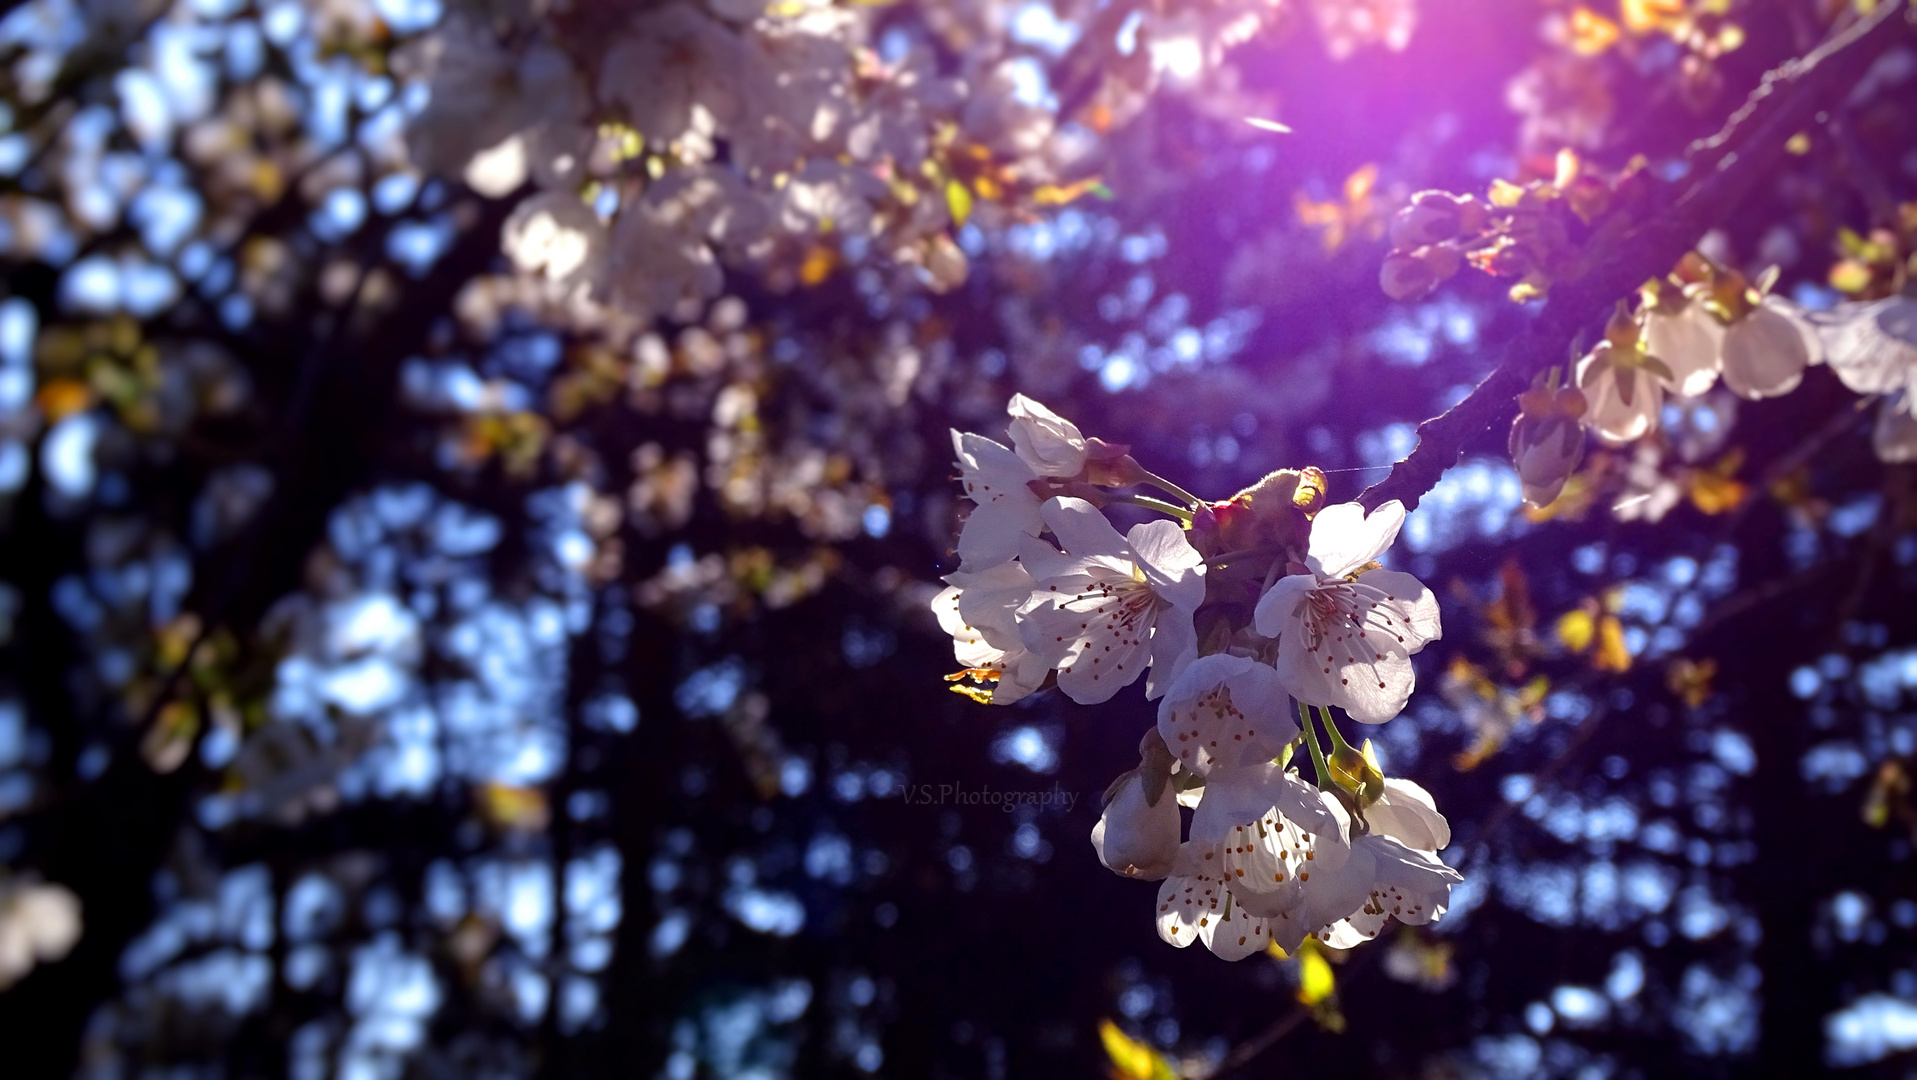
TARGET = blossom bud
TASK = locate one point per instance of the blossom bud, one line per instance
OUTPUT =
(1272, 511)
(1044, 440)
(1123, 471)
(1546, 449)
(1432, 218)
(1410, 275)
(1310, 493)
(1138, 835)
(1623, 331)
(1357, 771)
(1692, 269)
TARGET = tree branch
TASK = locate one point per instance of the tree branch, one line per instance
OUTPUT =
(1722, 170)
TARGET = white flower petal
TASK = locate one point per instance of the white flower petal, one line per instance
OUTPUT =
(990, 600)
(1099, 639)
(1183, 901)
(1415, 606)
(1236, 933)
(1277, 610)
(1169, 562)
(1007, 509)
(1348, 644)
(1082, 530)
(1134, 838)
(1240, 796)
(1615, 420)
(1174, 647)
(1766, 352)
(1872, 347)
(1344, 537)
(1047, 442)
(1332, 894)
(1407, 813)
(1688, 343)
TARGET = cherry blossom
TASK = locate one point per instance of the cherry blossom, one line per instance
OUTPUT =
(554, 235)
(1259, 839)
(482, 92)
(1389, 879)
(1396, 864)
(1007, 509)
(1046, 441)
(673, 62)
(1273, 859)
(1623, 394)
(979, 610)
(1347, 628)
(1225, 711)
(1872, 347)
(1110, 606)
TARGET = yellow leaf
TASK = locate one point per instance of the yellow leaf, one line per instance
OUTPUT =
(61, 398)
(1132, 1059)
(508, 807)
(1358, 185)
(1690, 680)
(1576, 629)
(1505, 194)
(268, 181)
(1611, 654)
(1644, 16)
(1315, 981)
(1798, 144)
(1062, 194)
(958, 200)
(818, 265)
(1715, 494)
(1850, 276)
(1591, 33)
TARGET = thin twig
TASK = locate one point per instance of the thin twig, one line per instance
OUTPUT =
(1723, 169)
(1262, 1041)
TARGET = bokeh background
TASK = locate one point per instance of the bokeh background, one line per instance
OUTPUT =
(399, 681)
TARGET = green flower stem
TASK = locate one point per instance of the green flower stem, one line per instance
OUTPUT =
(1338, 743)
(1182, 513)
(1318, 762)
(1170, 488)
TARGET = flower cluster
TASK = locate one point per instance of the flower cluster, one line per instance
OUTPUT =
(1231, 611)
(1700, 325)
(719, 134)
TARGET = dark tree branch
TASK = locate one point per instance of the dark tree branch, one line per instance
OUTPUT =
(1723, 169)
